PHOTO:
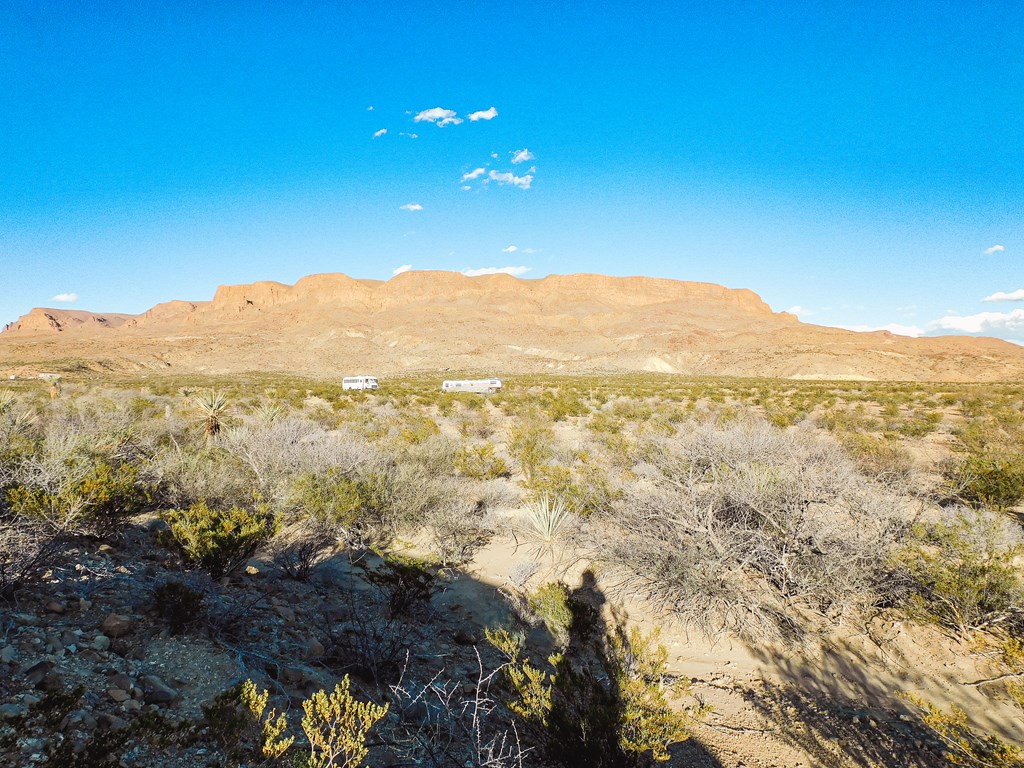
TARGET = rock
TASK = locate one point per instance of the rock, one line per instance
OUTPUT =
(252, 570)
(9, 654)
(120, 680)
(83, 604)
(465, 637)
(118, 695)
(116, 625)
(36, 673)
(101, 643)
(56, 606)
(13, 711)
(109, 722)
(313, 649)
(131, 706)
(156, 691)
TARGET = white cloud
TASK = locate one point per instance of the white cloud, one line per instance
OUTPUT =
(411, 207)
(401, 269)
(507, 177)
(510, 249)
(1017, 295)
(380, 133)
(67, 298)
(995, 249)
(475, 173)
(370, 108)
(896, 328)
(439, 116)
(485, 114)
(522, 155)
(983, 322)
(410, 135)
(800, 311)
(494, 155)
(465, 187)
(495, 271)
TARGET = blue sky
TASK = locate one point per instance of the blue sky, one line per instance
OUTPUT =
(862, 162)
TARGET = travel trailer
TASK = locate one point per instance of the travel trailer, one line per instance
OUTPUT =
(480, 386)
(359, 382)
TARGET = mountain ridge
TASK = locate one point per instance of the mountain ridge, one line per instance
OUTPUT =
(325, 324)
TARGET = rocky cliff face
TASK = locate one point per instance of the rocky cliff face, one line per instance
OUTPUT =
(329, 324)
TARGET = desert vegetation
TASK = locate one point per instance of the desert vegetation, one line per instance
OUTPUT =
(271, 571)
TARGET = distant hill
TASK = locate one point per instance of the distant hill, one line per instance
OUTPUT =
(328, 325)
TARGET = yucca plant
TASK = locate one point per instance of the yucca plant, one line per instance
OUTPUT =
(212, 405)
(546, 521)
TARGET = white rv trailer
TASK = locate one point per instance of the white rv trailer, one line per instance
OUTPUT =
(480, 386)
(359, 382)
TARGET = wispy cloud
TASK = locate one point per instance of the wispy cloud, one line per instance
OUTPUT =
(381, 132)
(495, 271)
(507, 177)
(523, 155)
(370, 108)
(800, 311)
(484, 114)
(475, 173)
(896, 328)
(983, 322)
(411, 207)
(995, 249)
(66, 298)
(510, 249)
(401, 269)
(439, 116)
(1017, 295)
(409, 135)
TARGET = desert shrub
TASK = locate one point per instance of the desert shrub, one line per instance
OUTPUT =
(336, 726)
(877, 457)
(608, 704)
(987, 479)
(220, 540)
(963, 744)
(961, 572)
(419, 429)
(550, 603)
(96, 502)
(407, 582)
(748, 527)
(480, 463)
(344, 501)
(178, 604)
(27, 547)
(184, 474)
(583, 486)
(529, 444)
(458, 531)
(300, 547)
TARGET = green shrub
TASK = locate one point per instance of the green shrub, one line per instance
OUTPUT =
(962, 574)
(608, 706)
(340, 499)
(480, 463)
(550, 603)
(98, 503)
(220, 540)
(987, 479)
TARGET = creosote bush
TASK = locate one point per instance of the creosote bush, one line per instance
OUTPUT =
(962, 572)
(220, 540)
